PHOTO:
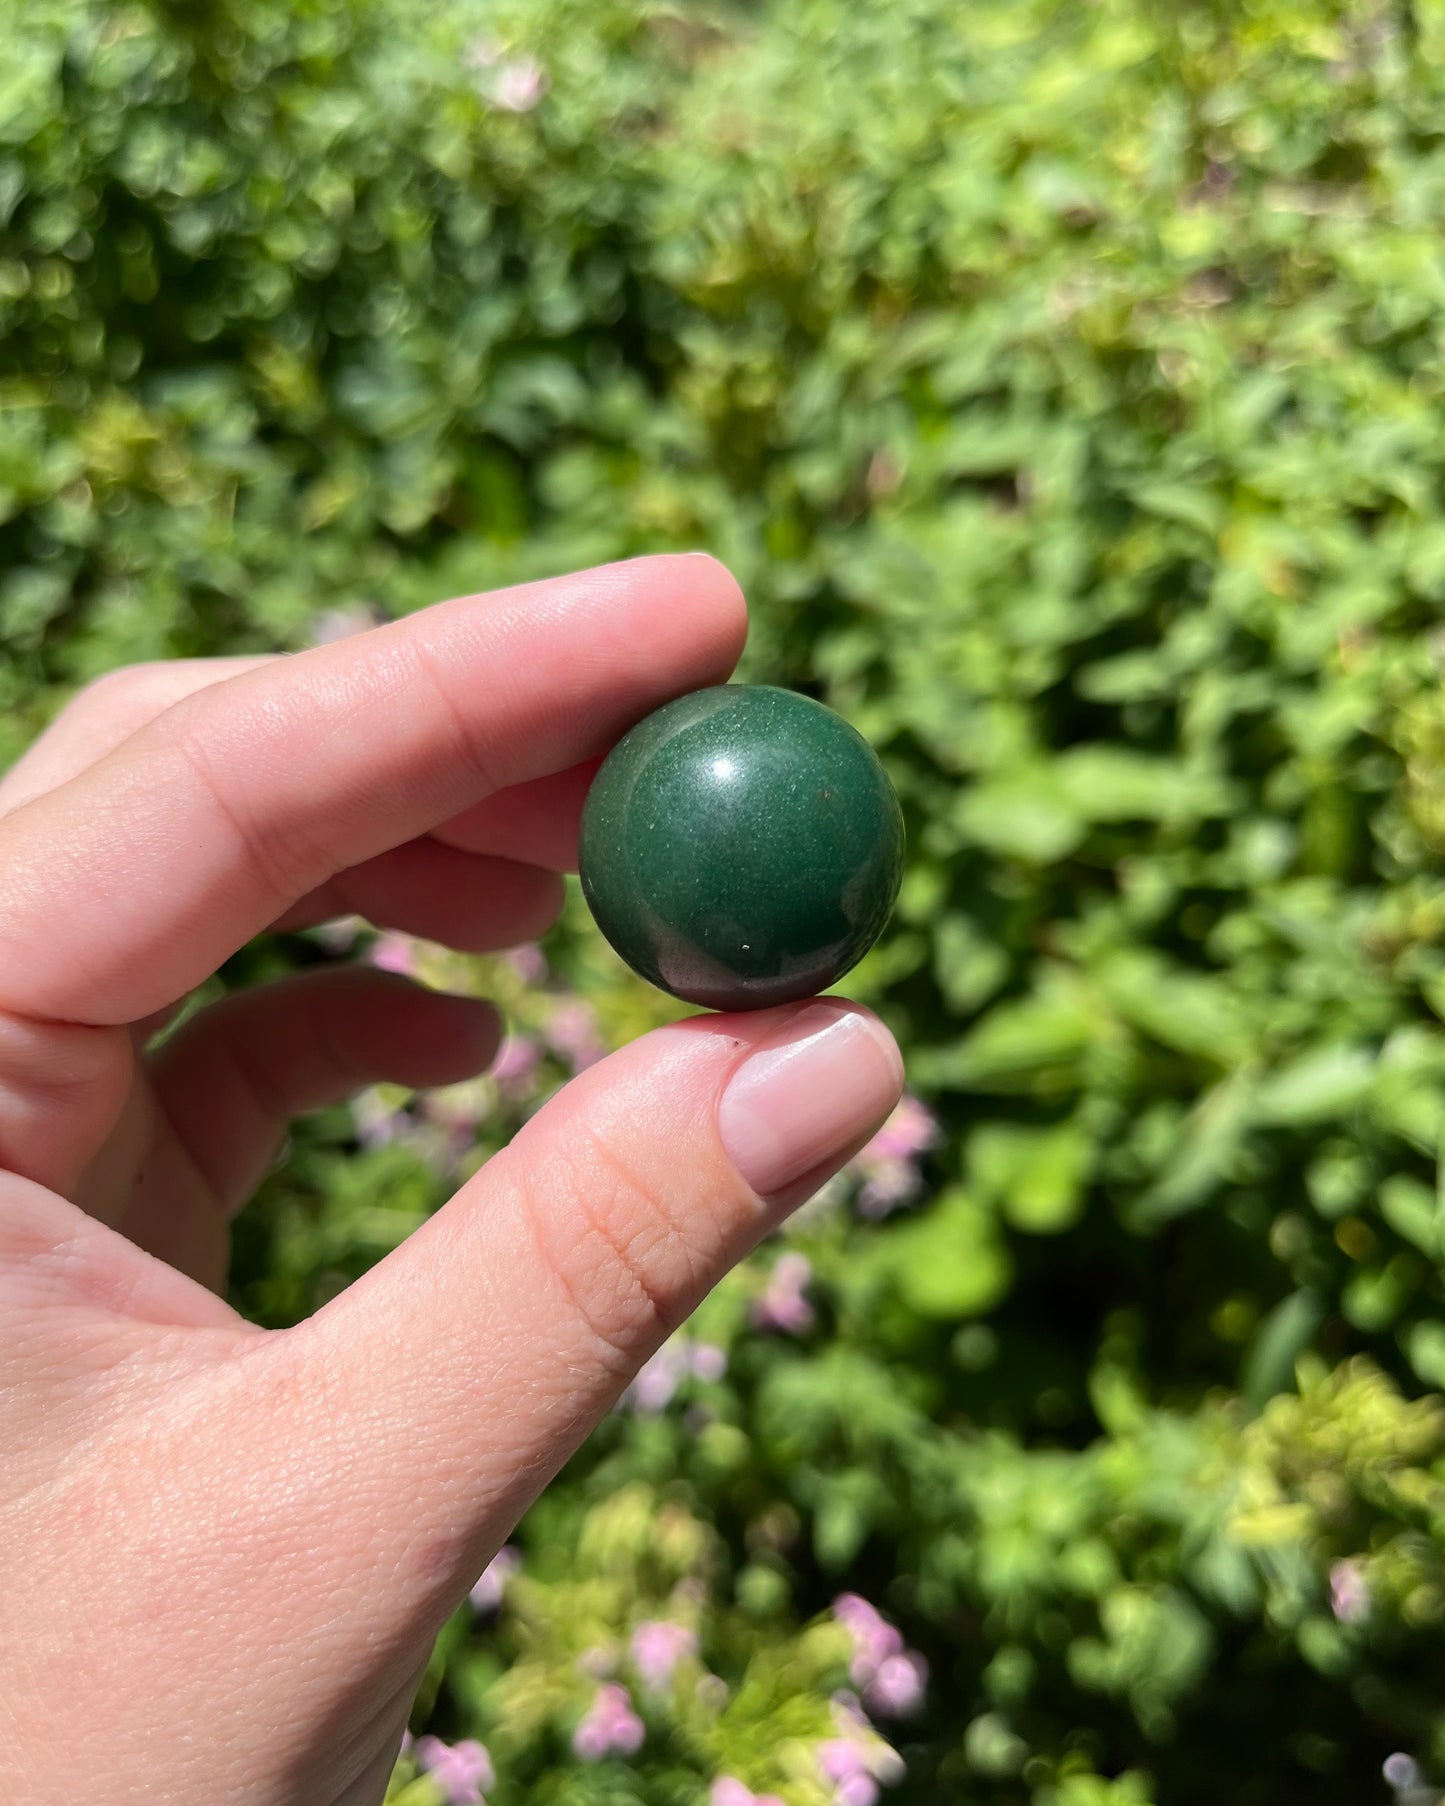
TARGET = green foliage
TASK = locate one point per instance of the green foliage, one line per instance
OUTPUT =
(1064, 385)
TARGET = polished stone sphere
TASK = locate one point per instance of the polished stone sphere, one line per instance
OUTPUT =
(742, 847)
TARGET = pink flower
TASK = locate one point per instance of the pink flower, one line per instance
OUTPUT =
(888, 1165)
(845, 1764)
(486, 1596)
(394, 953)
(529, 963)
(855, 1763)
(856, 1790)
(677, 1360)
(519, 84)
(708, 1362)
(517, 1061)
(910, 1131)
(883, 1760)
(889, 1185)
(897, 1690)
(727, 1790)
(893, 1678)
(658, 1647)
(609, 1727)
(513, 83)
(874, 1638)
(784, 1303)
(1349, 1593)
(463, 1769)
(657, 1380)
(573, 1033)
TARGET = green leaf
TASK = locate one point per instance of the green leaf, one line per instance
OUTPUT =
(1023, 817)
(1016, 1043)
(1412, 1210)
(950, 1262)
(1425, 1350)
(1319, 1086)
(1036, 1175)
(1278, 1343)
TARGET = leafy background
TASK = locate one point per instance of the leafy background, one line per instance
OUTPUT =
(1064, 385)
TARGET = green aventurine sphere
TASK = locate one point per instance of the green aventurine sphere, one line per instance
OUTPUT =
(742, 847)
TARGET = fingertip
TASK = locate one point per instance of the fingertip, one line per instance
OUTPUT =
(714, 597)
(425, 1037)
(475, 1024)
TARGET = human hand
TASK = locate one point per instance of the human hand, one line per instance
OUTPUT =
(225, 1551)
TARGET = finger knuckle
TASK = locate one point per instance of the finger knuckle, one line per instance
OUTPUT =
(606, 1233)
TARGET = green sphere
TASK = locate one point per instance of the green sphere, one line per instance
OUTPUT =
(742, 847)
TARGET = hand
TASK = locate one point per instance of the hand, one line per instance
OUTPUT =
(226, 1551)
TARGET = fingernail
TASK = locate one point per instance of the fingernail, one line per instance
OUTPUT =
(804, 1098)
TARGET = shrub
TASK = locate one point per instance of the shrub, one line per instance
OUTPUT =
(1064, 385)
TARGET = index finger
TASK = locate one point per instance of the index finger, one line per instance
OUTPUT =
(128, 885)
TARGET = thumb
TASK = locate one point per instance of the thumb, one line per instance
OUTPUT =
(476, 1358)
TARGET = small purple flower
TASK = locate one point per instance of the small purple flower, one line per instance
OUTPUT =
(572, 1032)
(893, 1678)
(463, 1769)
(529, 963)
(840, 1757)
(897, 1690)
(516, 1064)
(609, 1727)
(513, 83)
(784, 1303)
(845, 1763)
(856, 1762)
(910, 1131)
(890, 1185)
(874, 1638)
(657, 1648)
(709, 1362)
(486, 1596)
(727, 1790)
(1402, 1772)
(518, 85)
(657, 1380)
(888, 1165)
(677, 1360)
(1349, 1593)
(394, 953)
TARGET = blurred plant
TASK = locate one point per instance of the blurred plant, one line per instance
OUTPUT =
(1063, 384)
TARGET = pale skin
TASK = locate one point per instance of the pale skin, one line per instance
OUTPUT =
(224, 1552)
